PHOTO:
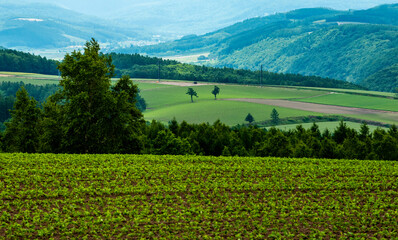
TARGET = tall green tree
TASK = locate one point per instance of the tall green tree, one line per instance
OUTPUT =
(192, 93)
(95, 117)
(275, 117)
(22, 131)
(215, 92)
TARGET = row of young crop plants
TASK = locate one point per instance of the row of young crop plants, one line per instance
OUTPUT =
(128, 196)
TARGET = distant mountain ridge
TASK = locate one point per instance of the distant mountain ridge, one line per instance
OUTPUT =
(181, 17)
(344, 45)
(41, 25)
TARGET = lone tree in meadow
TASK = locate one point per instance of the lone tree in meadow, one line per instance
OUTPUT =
(275, 117)
(192, 93)
(249, 118)
(215, 92)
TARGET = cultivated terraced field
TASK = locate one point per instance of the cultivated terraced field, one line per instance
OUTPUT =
(132, 197)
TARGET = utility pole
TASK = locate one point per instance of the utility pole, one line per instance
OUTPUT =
(261, 76)
(159, 70)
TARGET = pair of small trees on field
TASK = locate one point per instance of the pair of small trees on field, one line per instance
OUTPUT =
(192, 92)
(274, 117)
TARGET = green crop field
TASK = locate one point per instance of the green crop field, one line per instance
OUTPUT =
(351, 100)
(388, 118)
(28, 78)
(165, 103)
(163, 96)
(133, 197)
(168, 99)
(354, 91)
(331, 126)
(229, 112)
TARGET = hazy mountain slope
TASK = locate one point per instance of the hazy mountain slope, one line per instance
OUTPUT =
(384, 14)
(181, 17)
(235, 36)
(49, 26)
(348, 52)
(320, 42)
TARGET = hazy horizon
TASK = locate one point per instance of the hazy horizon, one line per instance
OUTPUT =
(105, 8)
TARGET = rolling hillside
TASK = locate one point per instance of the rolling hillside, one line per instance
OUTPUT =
(344, 45)
(39, 25)
(173, 18)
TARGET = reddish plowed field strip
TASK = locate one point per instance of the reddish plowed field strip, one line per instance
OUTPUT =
(313, 107)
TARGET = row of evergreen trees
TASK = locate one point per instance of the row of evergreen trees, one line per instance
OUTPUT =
(34, 130)
(138, 66)
(17, 61)
(218, 139)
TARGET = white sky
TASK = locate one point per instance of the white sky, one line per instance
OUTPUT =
(105, 8)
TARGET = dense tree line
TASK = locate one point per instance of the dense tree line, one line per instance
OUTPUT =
(40, 93)
(138, 66)
(41, 132)
(218, 139)
(16, 61)
(8, 91)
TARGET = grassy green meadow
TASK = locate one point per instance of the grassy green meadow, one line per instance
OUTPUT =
(354, 91)
(28, 78)
(168, 99)
(324, 125)
(55, 196)
(165, 102)
(229, 112)
(358, 101)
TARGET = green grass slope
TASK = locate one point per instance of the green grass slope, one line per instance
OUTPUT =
(168, 99)
(228, 112)
(164, 102)
(131, 197)
(358, 101)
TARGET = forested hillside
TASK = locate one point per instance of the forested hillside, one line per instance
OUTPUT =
(16, 61)
(27, 25)
(346, 52)
(345, 45)
(383, 80)
(138, 66)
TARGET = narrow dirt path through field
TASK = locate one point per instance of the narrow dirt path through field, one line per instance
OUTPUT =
(171, 83)
(313, 107)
